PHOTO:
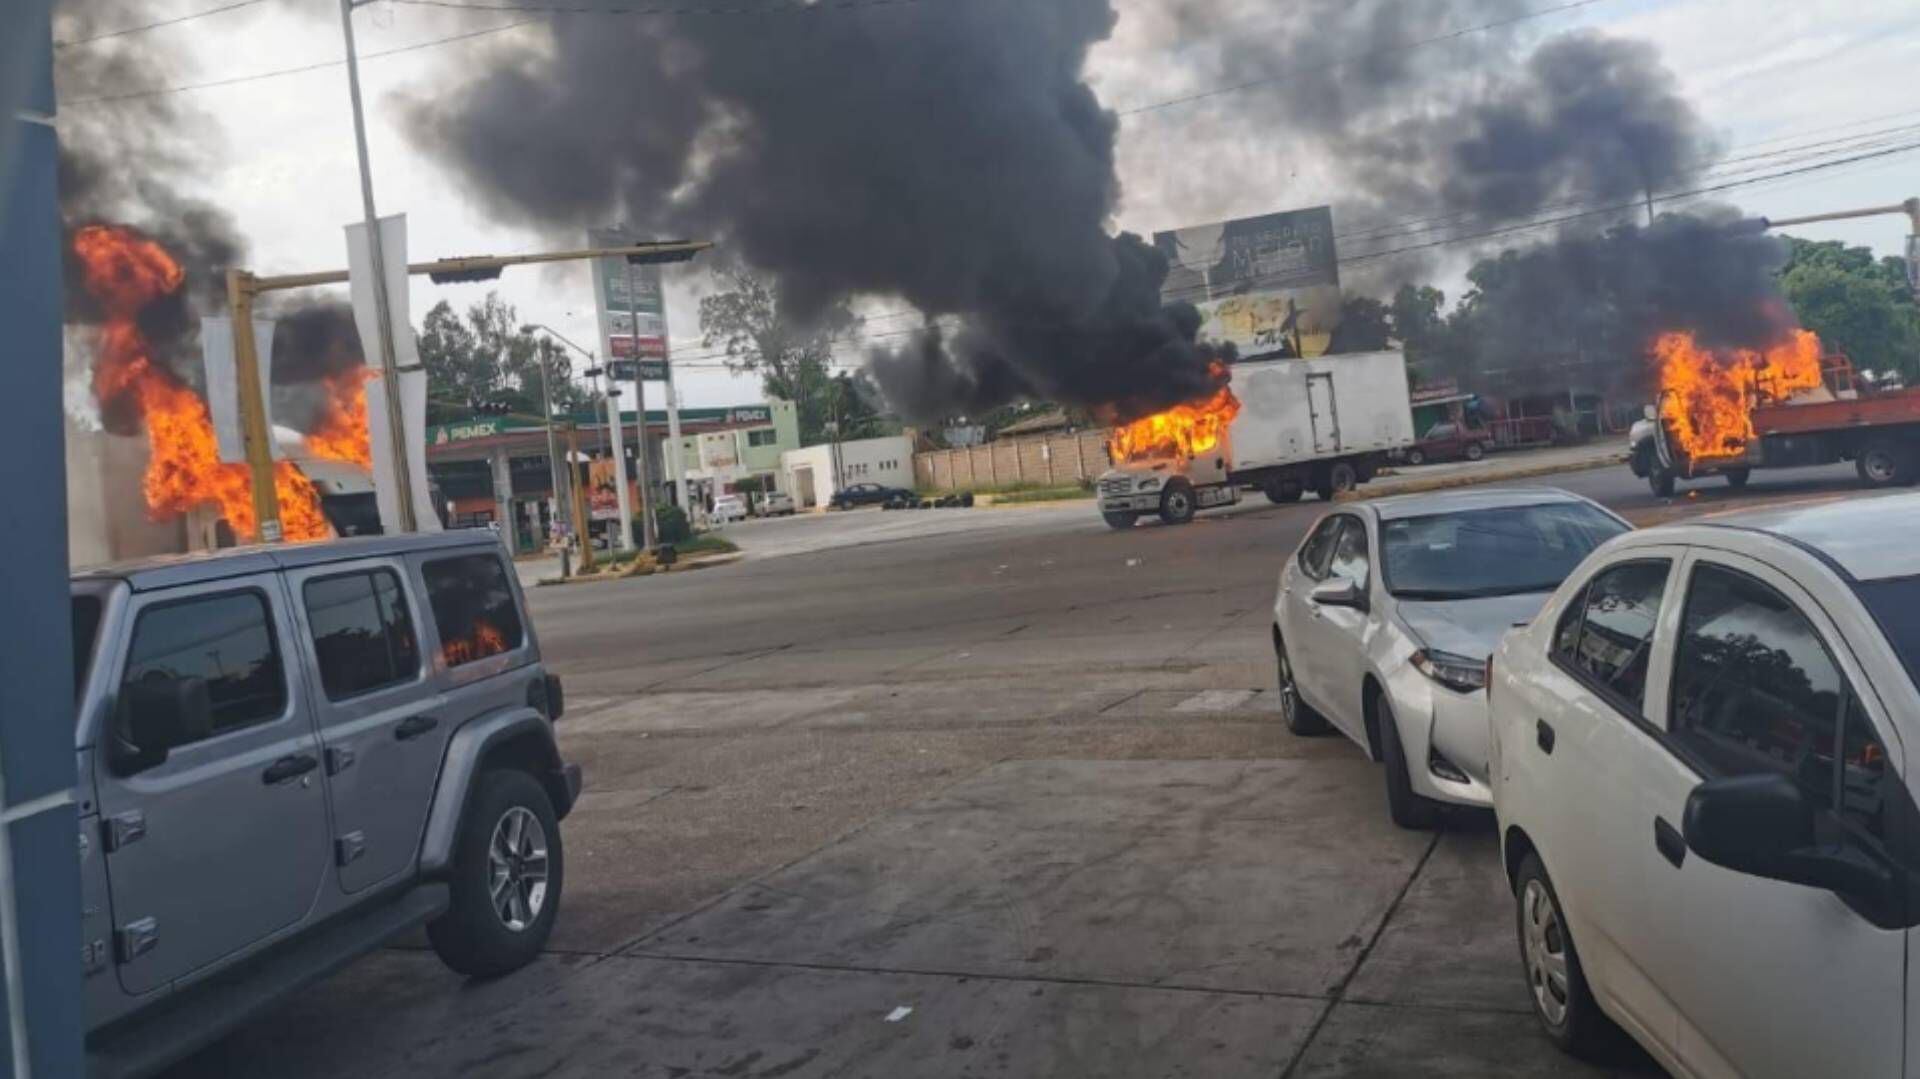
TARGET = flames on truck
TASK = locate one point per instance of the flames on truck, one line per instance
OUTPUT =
(1728, 411)
(1184, 430)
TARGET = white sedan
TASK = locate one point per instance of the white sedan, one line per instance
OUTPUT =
(1698, 758)
(1385, 615)
(728, 508)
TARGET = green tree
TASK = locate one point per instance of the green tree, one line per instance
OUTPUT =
(1858, 305)
(1366, 325)
(487, 362)
(793, 358)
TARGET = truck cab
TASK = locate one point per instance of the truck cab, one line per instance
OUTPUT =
(1172, 486)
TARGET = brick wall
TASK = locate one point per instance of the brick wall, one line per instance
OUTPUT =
(1041, 461)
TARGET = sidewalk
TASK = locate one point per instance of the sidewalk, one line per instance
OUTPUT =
(1514, 465)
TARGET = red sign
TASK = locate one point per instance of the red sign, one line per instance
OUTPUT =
(652, 347)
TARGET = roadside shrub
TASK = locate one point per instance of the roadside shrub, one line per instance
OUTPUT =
(673, 524)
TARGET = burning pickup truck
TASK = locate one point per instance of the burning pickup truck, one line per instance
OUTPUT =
(1283, 426)
(1728, 412)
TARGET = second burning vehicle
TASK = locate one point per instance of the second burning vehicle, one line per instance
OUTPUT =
(1284, 426)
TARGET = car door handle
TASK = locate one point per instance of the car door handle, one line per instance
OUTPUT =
(1673, 845)
(413, 727)
(1543, 734)
(287, 768)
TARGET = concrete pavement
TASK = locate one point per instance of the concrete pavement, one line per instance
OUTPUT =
(1026, 781)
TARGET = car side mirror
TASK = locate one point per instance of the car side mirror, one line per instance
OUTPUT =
(1762, 825)
(153, 716)
(1340, 592)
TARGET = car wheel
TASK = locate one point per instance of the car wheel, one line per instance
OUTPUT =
(1660, 480)
(1409, 810)
(1283, 492)
(1119, 521)
(1416, 457)
(1176, 503)
(1300, 716)
(1475, 451)
(508, 870)
(1738, 477)
(1556, 982)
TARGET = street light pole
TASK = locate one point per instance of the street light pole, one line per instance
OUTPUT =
(649, 531)
(389, 366)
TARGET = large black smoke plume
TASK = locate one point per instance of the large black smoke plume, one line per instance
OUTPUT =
(954, 155)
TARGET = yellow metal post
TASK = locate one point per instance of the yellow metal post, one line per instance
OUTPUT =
(254, 429)
(579, 502)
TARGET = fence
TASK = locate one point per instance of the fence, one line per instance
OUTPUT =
(1047, 461)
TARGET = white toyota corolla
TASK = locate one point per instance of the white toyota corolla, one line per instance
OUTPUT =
(1385, 615)
(1698, 758)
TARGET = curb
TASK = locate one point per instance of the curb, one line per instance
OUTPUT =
(1449, 482)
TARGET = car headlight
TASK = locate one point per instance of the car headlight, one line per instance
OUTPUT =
(1150, 485)
(1454, 672)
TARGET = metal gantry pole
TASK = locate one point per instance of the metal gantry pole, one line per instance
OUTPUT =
(553, 446)
(389, 365)
(649, 528)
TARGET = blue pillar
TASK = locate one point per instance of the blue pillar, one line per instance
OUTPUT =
(41, 1022)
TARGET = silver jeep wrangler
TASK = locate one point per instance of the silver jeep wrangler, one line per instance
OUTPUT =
(290, 756)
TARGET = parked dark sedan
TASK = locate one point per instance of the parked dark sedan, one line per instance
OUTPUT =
(1448, 442)
(870, 494)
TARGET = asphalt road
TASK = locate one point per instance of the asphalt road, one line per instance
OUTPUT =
(1007, 769)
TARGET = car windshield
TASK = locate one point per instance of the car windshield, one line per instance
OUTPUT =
(1490, 552)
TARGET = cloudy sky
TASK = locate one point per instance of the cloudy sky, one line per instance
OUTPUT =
(1762, 73)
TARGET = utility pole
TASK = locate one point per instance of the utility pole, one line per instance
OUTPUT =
(256, 435)
(578, 503)
(553, 450)
(649, 528)
(676, 460)
(389, 367)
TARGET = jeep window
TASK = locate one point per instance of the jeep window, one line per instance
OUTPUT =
(473, 607)
(362, 633)
(225, 639)
(86, 629)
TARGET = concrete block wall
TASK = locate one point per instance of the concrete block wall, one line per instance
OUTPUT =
(1046, 460)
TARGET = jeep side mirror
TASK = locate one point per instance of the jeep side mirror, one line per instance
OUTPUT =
(1340, 592)
(1762, 825)
(153, 716)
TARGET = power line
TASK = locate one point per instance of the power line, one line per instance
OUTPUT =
(1272, 80)
(282, 72)
(175, 21)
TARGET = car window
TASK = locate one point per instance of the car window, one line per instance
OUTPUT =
(473, 607)
(227, 641)
(1440, 430)
(1350, 552)
(1504, 550)
(362, 634)
(1755, 689)
(1615, 622)
(1314, 552)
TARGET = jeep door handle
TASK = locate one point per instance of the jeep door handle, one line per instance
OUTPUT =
(287, 768)
(1543, 734)
(413, 727)
(1672, 845)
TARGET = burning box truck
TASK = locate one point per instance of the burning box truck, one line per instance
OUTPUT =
(1282, 426)
(1728, 412)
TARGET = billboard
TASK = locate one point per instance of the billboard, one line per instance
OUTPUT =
(624, 295)
(1266, 284)
(603, 490)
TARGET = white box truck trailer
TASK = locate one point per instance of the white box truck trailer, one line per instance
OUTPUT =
(1324, 425)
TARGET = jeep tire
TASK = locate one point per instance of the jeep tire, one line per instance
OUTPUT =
(507, 875)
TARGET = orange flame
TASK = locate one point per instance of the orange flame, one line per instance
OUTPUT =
(486, 641)
(341, 434)
(1183, 430)
(1707, 396)
(125, 272)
